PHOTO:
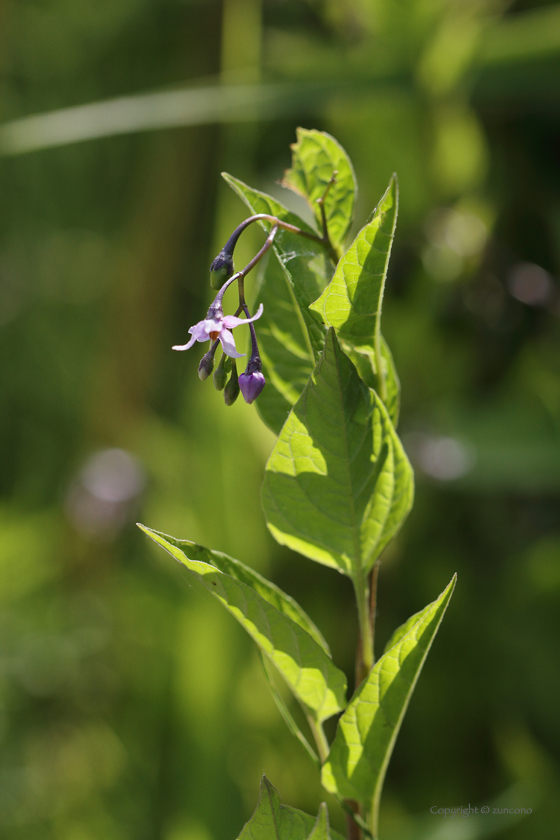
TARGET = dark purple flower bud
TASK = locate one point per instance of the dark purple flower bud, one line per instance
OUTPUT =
(251, 385)
(252, 381)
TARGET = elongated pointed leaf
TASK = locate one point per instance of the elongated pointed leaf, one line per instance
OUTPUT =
(274, 821)
(305, 262)
(263, 587)
(321, 829)
(308, 670)
(352, 301)
(368, 729)
(315, 157)
(338, 484)
(286, 352)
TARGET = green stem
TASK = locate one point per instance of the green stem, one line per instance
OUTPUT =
(373, 604)
(320, 738)
(364, 658)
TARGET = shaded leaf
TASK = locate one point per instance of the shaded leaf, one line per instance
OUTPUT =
(338, 484)
(321, 829)
(304, 261)
(286, 352)
(315, 157)
(274, 821)
(308, 670)
(366, 367)
(368, 729)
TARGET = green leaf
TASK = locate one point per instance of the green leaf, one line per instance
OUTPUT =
(287, 715)
(366, 367)
(321, 830)
(368, 729)
(338, 484)
(315, 157)
(286, 352)
(285, 604)
(308, 670)
(352, 301)
(274, 821)
(304, 261)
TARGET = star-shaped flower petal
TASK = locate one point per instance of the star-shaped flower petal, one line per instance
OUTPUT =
(219, 327)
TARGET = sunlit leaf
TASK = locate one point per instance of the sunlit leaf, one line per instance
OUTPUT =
(315, 157)
(368, 729)
(274, 821)
(309, 672)
(352, 301)
(338, 484)
(265, 588)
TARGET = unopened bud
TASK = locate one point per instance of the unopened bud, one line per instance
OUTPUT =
(221, 374)
(221, 270)
(231, 391)
(251, 385)
(206, 365)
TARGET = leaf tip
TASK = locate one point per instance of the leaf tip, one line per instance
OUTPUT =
(144, 528)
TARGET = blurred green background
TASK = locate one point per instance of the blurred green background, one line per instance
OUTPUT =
(130, 705)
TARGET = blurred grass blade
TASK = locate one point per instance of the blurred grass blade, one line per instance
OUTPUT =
(165, 109)
(315, 158)
(274, 821)
(309, 672)
(337, 489)
(368, 729)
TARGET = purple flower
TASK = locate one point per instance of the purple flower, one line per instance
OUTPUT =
(251, 385)
(218, 326)
(252, 381)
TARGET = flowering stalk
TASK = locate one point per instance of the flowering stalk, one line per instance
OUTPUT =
(217, 327)
(337, 488)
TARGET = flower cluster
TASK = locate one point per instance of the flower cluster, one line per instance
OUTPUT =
(217, 328)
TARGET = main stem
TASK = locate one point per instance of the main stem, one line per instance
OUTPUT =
(364, 655)
(366, 599)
